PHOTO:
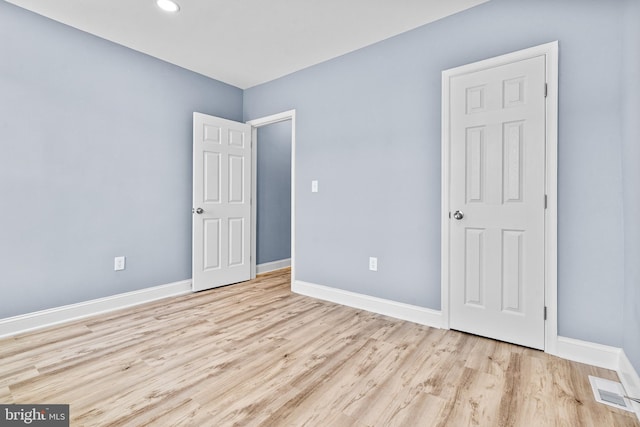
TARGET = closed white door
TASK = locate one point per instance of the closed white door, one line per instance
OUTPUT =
(221, 202)
(497, 202)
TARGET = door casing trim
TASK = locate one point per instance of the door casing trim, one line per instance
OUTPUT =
(550, 51)
(255, 124)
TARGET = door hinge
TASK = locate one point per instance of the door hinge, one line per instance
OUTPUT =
(546, 90)
(545, 313)
(545, 201)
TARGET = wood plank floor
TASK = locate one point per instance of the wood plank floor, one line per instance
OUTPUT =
(255, 354)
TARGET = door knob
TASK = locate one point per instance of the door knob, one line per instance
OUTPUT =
(199, 211)
(458, 215)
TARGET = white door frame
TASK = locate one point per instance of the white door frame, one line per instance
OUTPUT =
(255, 124)
(550, 50)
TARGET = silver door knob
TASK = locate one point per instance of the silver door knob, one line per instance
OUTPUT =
(199, 211)
(458, 215)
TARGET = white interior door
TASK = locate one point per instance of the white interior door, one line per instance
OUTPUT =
(497, 202)
(221, 202)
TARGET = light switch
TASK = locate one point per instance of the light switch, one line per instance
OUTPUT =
(373, 263)
(314, 186)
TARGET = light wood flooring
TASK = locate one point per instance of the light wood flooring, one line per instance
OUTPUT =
(254, 354)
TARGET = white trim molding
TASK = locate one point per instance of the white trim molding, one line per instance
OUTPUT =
(255, 124)
(398, 310)
(54, 316)
(603, 356)
(273, 266)
(630, 380)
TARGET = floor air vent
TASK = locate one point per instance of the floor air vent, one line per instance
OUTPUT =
(610, 393)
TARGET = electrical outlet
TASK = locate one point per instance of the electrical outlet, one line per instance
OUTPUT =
(314, 186)
(373, 263)
(118, 263)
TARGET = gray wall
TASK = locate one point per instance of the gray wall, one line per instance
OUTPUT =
(273, 228)
(96, 143)
(631, 181)
(368, 128)
(96, 162)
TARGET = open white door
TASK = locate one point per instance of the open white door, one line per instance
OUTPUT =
(221, 202)
(497, 201)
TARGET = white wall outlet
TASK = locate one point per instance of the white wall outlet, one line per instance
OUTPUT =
(314, 186)
(118, 263)
(373, 263)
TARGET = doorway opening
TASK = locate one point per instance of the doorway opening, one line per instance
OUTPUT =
(273, 193)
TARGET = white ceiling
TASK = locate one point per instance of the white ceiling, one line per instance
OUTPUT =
(247, 42)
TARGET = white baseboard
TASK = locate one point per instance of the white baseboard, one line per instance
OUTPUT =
(603, 356)
(273, 265)
(630, 380)
(45, 318)
(411, 313)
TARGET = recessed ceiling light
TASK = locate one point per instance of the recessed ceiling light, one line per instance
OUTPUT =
(168, 5)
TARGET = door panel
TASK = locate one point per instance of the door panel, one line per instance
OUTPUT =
(475, 171)
(512, 270)
(211, 177)
(221, 219)
(474, 277)
(211, 252)
(236, 179)
(236, 241)
(497, 170)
